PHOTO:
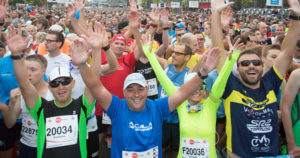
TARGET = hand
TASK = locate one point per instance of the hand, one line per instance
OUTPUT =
(226, 16)
(3, 8)
(219, 5)
(71, 10)
(164, 18)
(15, 41)
(97, 37)
(15, 96)
(79, 5)
(294, 151)
(134, 20)
(154, 15)
(132, 6)
(79, 52)
(294, 6)
(210, 61)
(239, 46)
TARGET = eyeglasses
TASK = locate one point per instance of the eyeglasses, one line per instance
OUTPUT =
(201, 39)
(178, 53)
(247, 62)
(64, 82)
(48, 40)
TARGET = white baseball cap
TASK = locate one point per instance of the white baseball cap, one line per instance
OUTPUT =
(135, 78)
(59, 72)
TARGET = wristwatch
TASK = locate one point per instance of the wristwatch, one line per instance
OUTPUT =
(105, 48)
(201, 76)
(293, 17)
(16, 57)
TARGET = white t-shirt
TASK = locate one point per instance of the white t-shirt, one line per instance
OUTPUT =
(29, 125)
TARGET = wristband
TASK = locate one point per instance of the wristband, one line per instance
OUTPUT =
(166, 28)
(154, 25)
(202, 77)
(293, 17)
(16, 57)
(106, 48)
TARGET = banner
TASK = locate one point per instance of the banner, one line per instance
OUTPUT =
(175, 4)
(274, 3)
(193, 4)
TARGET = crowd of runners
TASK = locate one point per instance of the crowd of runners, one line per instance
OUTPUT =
(149, 83)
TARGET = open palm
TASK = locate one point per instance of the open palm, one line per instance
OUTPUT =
(97, 37)
(294, 6)
(211, 60)
(15, 41)
(219, 5)
(79, 51)
(3, 8)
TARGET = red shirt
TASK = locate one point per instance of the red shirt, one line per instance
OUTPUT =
(114, 82)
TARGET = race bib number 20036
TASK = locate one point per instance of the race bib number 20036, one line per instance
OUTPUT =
(195, 148)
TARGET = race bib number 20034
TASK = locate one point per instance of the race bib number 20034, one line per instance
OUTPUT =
(61, 131)
(195, 148)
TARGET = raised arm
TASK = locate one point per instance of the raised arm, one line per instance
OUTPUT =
(134, 24)
(17, 45)
(11, 115)
(77, 24)
(216, 32)
(163, 20)
(77, 48)
(288, 48)
(290, 93)
(90, 79)
(209, 63)
(3, 8)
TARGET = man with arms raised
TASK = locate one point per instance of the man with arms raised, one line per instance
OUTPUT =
(62, 122)
(250, 99)
(137, 118)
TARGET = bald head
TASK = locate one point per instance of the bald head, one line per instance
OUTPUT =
(263, 28)
(190, 40)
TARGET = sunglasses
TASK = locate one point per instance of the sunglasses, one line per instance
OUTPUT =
(64, 82)
(247, 62)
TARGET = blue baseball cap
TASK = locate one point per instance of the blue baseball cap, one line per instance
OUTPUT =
(179, 25)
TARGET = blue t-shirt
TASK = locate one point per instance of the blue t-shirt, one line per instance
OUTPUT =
(211, 79)
(178, 80)
(251, 116)
(137, 131)
(8, 80)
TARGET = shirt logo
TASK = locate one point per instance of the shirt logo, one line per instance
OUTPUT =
(260, 126)
(138, 127)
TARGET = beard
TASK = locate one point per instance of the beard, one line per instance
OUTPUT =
(246, 80)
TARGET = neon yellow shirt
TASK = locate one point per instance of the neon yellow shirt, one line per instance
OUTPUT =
(199, 127)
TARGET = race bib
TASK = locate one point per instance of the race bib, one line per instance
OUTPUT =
(105, 119)
(151, 153)
(61, 131)
(195, 148)
(152, 86)
(29, 130)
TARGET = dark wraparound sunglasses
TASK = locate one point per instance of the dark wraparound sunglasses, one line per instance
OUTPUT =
(64, 82)
(247, 62)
